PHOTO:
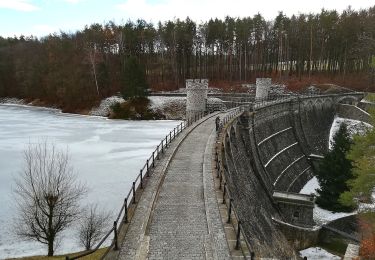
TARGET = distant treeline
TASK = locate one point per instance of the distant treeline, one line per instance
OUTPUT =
(79, 68)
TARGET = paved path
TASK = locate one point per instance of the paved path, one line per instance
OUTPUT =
(184, 220)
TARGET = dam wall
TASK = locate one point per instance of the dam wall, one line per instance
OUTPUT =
(265, 151)
(252, 197)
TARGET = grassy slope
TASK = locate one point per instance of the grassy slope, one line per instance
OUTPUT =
(93, 256)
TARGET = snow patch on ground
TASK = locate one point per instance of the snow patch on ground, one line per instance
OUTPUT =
(160, 102)
(317, 253)
(321, 216)
(12, 101)
(105, 106)
(354, 127)
(170, 107)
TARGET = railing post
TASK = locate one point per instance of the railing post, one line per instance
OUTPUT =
(162, 146)
(252, 256)
(229, 210)
(153, 159)
(115, 238)
(133, 188)
(218, 169)
(238, 235)
(224, 192)
(126, 210)
(170, 136)
(141, 182)
(174, 133)
(147, 167)
(221, 179)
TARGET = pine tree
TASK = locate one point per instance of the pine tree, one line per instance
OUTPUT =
(134, 79)
(334, 172)
(362, 153)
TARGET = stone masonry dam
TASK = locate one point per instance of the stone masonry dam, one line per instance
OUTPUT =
(267, 156)
(231, 193)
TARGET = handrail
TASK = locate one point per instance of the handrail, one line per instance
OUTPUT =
(227, 198)
(138, 184)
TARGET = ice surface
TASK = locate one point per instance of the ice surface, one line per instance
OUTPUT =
(317, 253)
(106, 154)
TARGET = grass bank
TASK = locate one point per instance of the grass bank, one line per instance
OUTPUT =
(94, 256)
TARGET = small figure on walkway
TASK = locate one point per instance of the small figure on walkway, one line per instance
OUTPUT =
(217, 122)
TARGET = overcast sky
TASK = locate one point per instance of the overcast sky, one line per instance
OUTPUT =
(41, 17)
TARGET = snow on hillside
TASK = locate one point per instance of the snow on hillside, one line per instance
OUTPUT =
(12, 101)
(105, 106)
(354, 127)
(170, 107)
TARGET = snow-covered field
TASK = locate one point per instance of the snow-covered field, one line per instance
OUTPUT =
(317, 253)
(106, 154)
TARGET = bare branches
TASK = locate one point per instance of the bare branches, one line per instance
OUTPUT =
(47, 194)
(92, 226)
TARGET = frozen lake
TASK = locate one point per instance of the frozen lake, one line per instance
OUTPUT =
(106, 155)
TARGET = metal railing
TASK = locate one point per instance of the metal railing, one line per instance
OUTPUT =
(276, 99)
(227, 198)
(230, 115)
(138, 184)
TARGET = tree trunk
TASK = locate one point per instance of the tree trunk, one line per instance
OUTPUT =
(50, 248)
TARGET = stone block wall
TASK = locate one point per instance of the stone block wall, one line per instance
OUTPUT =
(353, 112)
(263, 86)
(251, 198)
(196, 97)
(300, 238)
(267, 150)
(316, 116)
(279, 147)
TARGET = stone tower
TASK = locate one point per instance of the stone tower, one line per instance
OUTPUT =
(263, 87)
(196, 97)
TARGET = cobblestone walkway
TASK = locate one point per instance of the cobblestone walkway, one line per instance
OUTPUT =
(179, 225)
(178, 228)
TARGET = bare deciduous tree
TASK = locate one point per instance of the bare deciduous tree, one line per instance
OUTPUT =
(47, 194)
(92, 226)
